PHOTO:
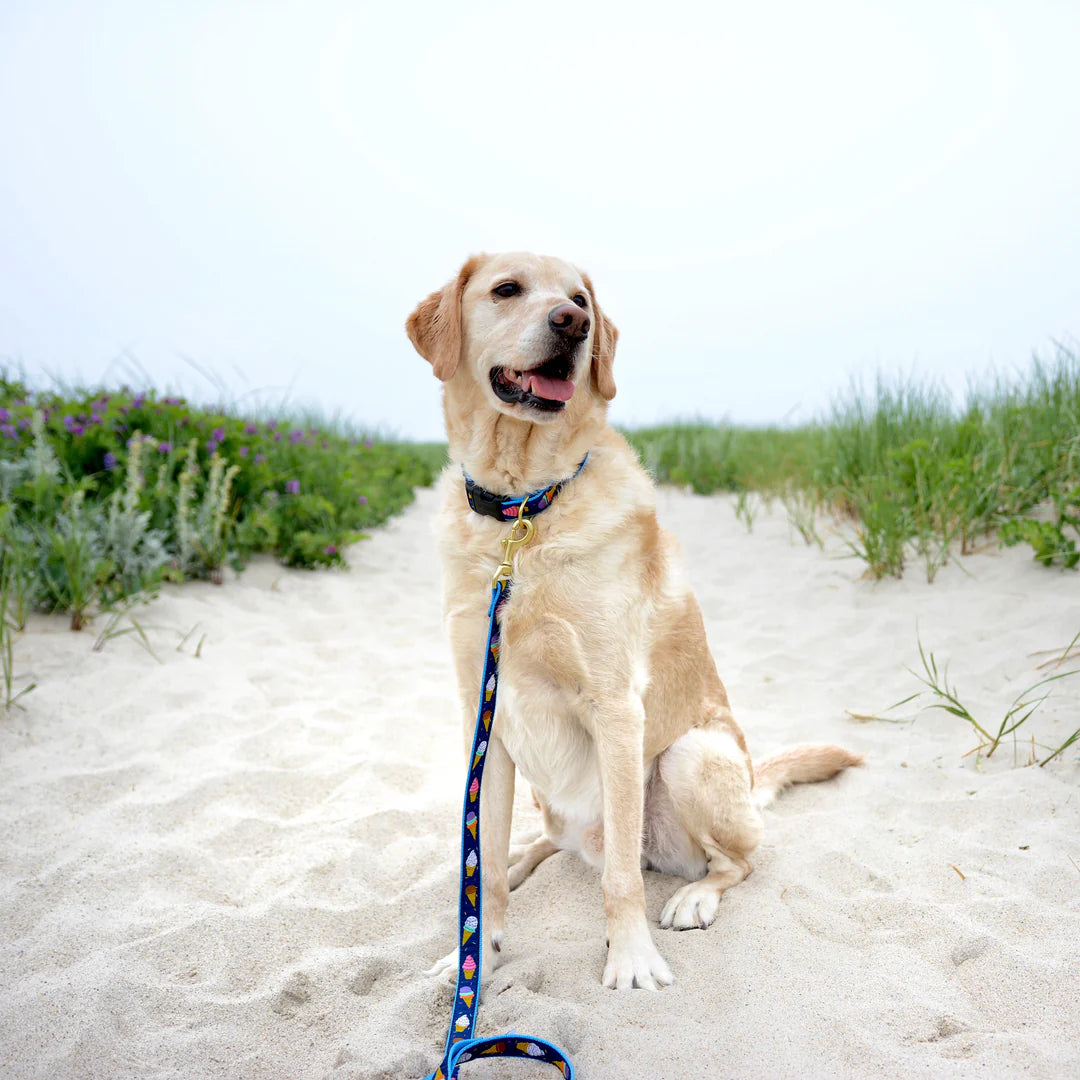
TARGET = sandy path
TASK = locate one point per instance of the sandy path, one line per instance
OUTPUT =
(238, 865)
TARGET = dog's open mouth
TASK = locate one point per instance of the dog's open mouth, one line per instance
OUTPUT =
(546, 386)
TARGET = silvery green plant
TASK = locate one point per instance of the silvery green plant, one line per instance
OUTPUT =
(135, 551)
(204, 522)
(74, 568)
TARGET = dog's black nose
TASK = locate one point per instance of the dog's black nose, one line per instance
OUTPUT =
(568, 320)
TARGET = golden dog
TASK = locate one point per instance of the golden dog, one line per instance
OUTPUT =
(610, 704)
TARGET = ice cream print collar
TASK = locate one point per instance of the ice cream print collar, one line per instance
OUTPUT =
(505, 507)
(461, 1043)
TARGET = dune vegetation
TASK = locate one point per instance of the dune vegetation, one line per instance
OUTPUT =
(920, 476)
(105, 494)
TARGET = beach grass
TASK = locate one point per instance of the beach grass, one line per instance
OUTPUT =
(105, 493)
(919, 475)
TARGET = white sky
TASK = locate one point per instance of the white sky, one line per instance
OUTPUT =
(770, 197)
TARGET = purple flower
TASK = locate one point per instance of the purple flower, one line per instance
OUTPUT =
(243, 451)
(330, 549)
(292, 487)
(250, 429)
(218, 434)
(211, 446)
(368, 444)
(164, 448)
(362, 500)
(277, 436)
(296, 436)
(9, 430)
(139, 401)
(95, 418)
(110, 460)
(77, 429)
(260, 458)
(24, 423)
(3, 416)
(69, 421)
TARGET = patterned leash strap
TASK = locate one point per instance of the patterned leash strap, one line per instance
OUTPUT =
(461, 1045)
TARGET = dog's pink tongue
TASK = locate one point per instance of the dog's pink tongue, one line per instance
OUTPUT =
(551, 389)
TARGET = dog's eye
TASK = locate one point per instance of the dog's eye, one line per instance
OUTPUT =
(580, 300)
(507, 288)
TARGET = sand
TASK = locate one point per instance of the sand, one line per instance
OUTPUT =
(238, 864)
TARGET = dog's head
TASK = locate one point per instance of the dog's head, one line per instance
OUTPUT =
(525, 328)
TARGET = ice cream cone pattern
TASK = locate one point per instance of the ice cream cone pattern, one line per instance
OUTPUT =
(480, 751)
(474, 789)
(462, 1022)
(468, 969)
(489, 688)
(470, 894)
(470, 822)
(468, 929)
(467, 996)
(486, 719)
(470, 864)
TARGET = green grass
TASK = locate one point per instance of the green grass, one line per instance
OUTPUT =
(919, 475)
(104, 494)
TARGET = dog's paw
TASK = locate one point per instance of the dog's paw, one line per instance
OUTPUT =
(693, 907)
(446, 967)
(635, 963)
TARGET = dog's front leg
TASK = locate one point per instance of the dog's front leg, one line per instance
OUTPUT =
(633, 960)
(496, 810)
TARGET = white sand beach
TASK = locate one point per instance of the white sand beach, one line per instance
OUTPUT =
(238, 865)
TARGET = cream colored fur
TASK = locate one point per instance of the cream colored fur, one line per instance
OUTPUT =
(609, 704)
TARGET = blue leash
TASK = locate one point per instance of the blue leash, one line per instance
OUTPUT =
(461, 1043)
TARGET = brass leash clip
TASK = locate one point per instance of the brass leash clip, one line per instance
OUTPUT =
(511, 543)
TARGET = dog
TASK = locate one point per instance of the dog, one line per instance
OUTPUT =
(610, 704)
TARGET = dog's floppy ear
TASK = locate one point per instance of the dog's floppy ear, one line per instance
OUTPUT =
(603, 349)
(434, 327)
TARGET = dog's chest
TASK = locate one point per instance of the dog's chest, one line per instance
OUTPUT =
(551, 750)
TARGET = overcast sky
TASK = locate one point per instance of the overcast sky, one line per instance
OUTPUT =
(770, 197)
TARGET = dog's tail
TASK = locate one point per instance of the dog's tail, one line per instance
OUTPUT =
(803, 764)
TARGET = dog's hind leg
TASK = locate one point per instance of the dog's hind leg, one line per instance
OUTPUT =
(707, 777)
(528, 859)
